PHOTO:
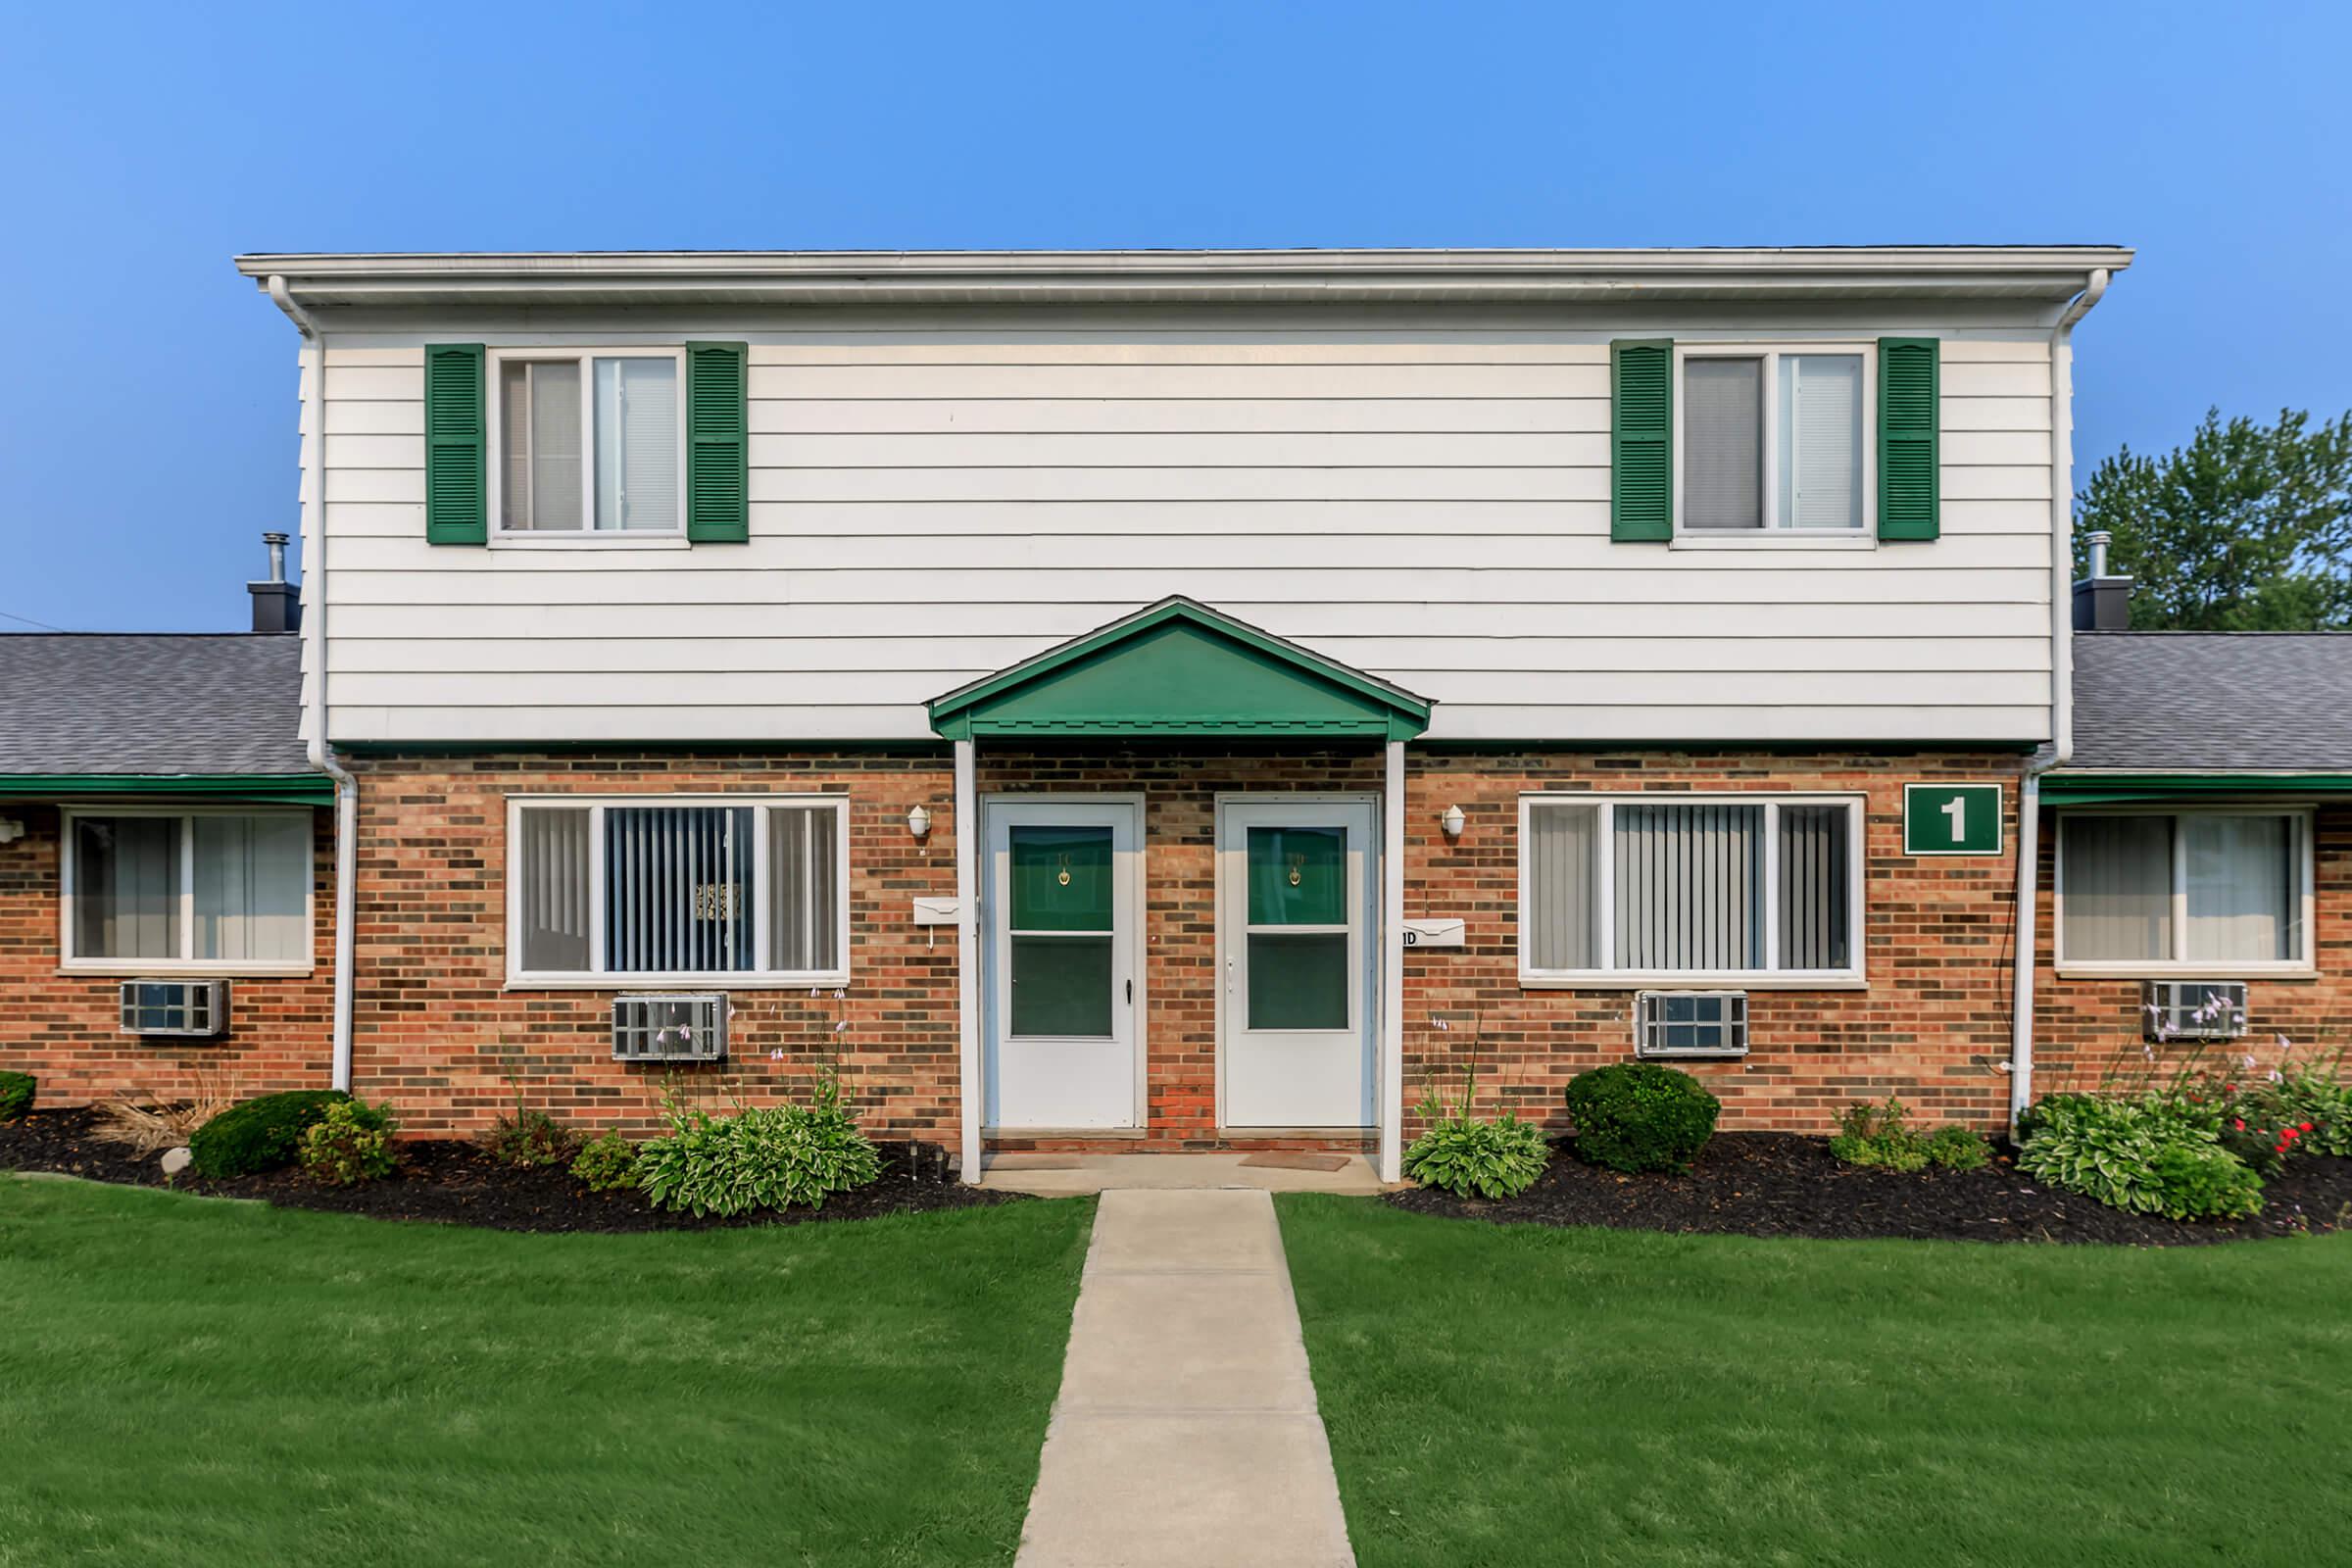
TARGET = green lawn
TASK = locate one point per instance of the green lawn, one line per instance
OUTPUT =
(189, 1383)
(1516, 1394)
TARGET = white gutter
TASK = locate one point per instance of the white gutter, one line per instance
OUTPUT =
(2062, 690)
(314, 654)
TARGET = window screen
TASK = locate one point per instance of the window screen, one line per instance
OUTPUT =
(1723, 446)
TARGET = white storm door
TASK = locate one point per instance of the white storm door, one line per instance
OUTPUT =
(1063, 886)
(1294, 886)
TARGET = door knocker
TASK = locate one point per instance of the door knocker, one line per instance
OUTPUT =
(1063, 875)
(1297, 868)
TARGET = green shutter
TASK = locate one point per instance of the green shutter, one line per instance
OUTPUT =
(719, 471)
(1909, 459)
(1641, 441)
(456, 443)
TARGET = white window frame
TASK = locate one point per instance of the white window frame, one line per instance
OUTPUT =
(586, 535)
(185, 965)
(1605, 978)
(597, 978)
(1863, 537)
(2179, 965)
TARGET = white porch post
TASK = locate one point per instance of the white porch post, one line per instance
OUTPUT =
(1392, 968)
(968, 954)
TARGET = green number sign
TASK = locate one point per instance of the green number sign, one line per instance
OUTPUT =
(1951, 819)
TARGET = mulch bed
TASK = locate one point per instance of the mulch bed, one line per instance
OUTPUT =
(456, 1183)
(1778, 1184)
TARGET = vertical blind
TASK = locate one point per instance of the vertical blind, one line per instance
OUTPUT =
(1723, 443)
(1690, 893)
(252, 886)
(636, 444)
(126, 887)
(2243, 900)
(804, 919)
(683, 889)
(1688, 886)
(2118, 887)
(1821, 441)
(677, 881)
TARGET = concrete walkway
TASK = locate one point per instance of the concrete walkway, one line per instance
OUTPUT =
(1186, 1432)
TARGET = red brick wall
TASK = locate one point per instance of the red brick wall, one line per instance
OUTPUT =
(1938, 947)
(437, 1032)
(66, 1030)
(2088, 1032)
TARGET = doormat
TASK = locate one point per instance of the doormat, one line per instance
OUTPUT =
(1286, 1160)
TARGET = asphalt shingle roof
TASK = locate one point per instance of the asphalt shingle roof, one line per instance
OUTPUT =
(2167, 702)
(149, 703)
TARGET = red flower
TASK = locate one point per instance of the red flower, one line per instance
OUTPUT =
(2238, 1123)
(2304, 1128)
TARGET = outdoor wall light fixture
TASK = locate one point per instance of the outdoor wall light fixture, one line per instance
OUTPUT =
(9, 830)
(1453, 822)
(919, 823)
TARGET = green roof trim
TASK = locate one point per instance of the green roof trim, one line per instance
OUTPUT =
(315, 789)
(1180, 668)
(2117, 789)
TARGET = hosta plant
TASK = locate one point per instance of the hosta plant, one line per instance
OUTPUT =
(2151, 1154)
(761, 1156)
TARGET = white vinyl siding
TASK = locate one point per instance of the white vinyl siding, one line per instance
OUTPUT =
(208, 891)
(1423, 497)
(2162, 893)
(636, 891)
(1681, 889)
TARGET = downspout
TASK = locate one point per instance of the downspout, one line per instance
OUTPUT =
(2062, 691)
(314, 654)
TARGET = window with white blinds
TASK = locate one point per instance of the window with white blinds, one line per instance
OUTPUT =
(1688, 885)
(723, 887)
(209, 890)
(1772, 440)
(2148, 891)
(588, 443)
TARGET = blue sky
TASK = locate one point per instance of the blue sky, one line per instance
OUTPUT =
(142, 147)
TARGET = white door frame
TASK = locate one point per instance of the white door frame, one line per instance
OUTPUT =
(1372, 953)
(990, 958)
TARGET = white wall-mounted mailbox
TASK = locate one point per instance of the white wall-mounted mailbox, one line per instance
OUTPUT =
(934, 912)
(1433, 933)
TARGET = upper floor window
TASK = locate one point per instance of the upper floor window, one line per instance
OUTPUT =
(587, 442)
(1773, 439)
(2151, 892)
(1679, 888)
(188, 890)
(650, 889)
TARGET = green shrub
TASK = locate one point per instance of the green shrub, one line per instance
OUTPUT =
(2153, 1154)
(607, 1163)
(2204, 1180)
(1881, 1136)
(759, 1157)
(1471, 1157)
(258, 1134)
(351, 1143)
(1957, 1147)
(2313, 1101)
(15, 1094)
(1637, 1115)
(529, 1139)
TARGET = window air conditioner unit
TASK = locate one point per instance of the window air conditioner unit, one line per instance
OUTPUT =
(2192, 1010)
(670, 1028)
(1689, 1023)
(190, 1009)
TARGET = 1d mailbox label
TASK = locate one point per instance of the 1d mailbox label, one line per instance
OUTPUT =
(1951, 819)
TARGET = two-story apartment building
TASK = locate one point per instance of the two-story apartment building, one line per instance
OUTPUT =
(1155, 690)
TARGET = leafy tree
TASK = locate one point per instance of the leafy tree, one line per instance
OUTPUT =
(2246, 528)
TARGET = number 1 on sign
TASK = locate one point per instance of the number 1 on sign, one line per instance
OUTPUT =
(1957, 810)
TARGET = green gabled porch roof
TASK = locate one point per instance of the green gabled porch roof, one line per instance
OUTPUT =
(1180, 668)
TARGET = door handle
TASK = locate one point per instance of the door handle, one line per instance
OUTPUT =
(1131, 993)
